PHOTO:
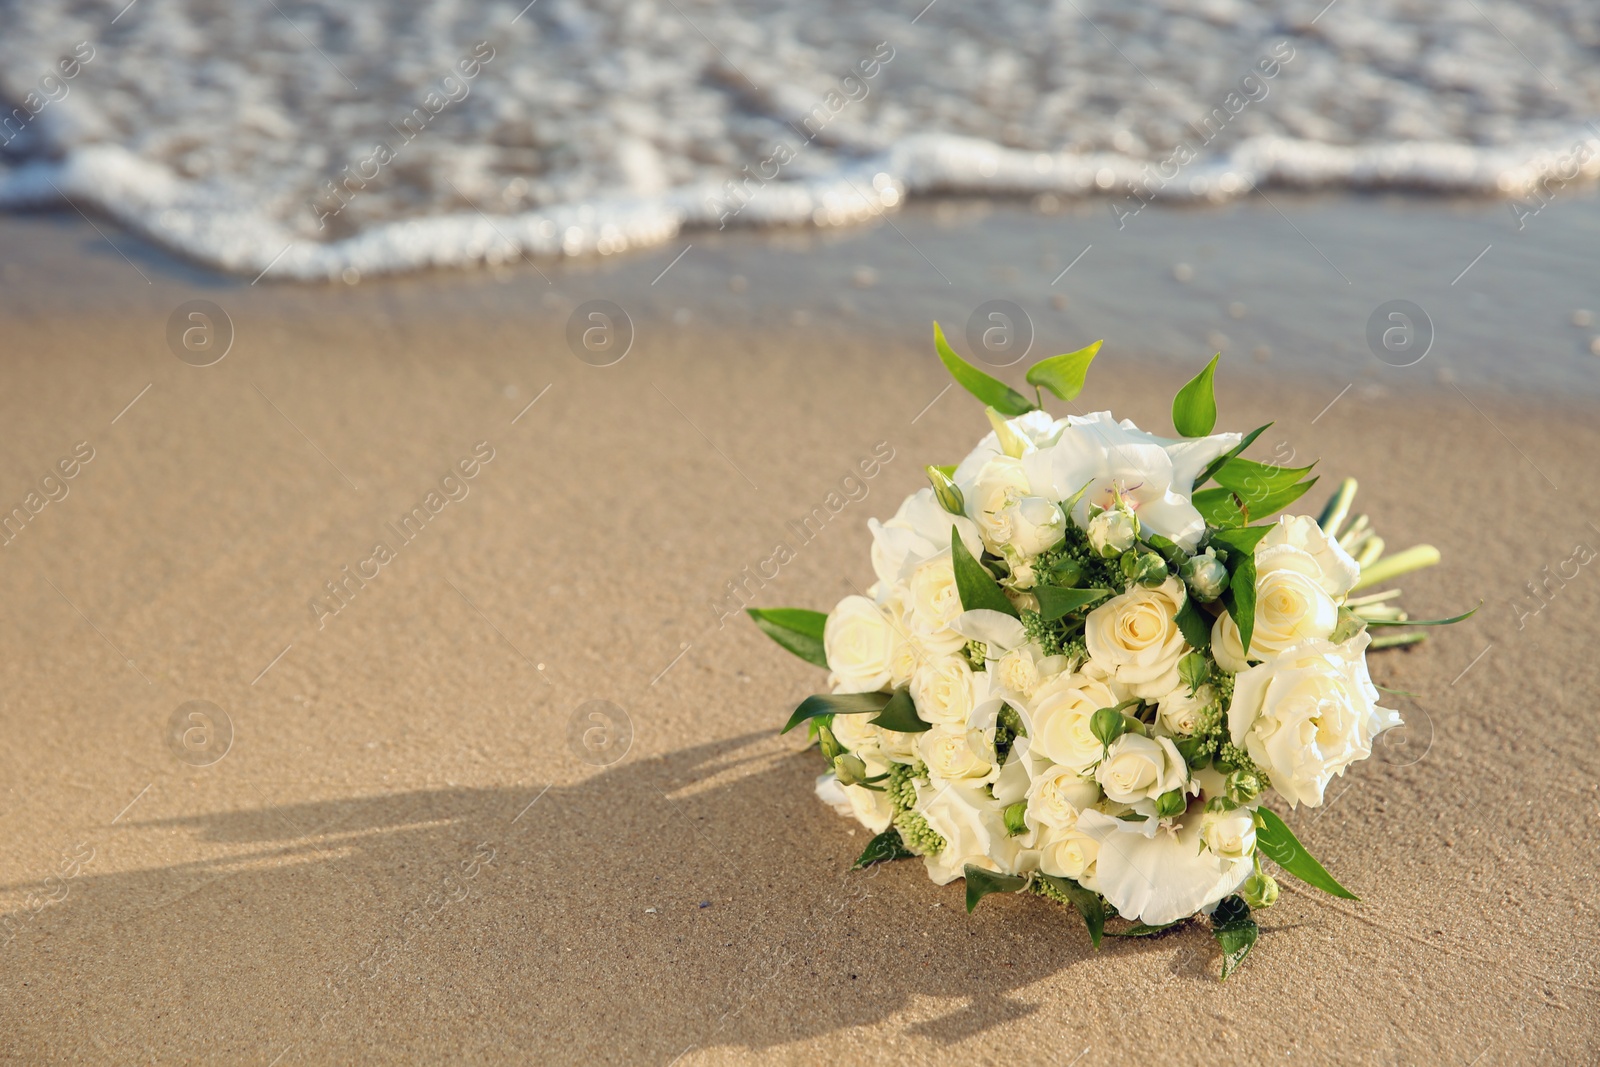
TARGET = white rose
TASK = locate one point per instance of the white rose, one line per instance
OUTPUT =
(1060, 721)
(972, 825)
(1307, 714)
(1291, 605)
(935, 604)
(859, 642)
(1336, 572)
(942, 689)
(1227, 646)
(871, 809)
(1118, 461)
(1017, 671)
(1179, 713)
(1205, 575)
(1068, 855)
(1112, 533)
(1057, 795)
(898, 747)
(1135, 638)
(856, 733)
(954, 752)
(919, 531)
(895, 600)
(998, 484)
(1141, 768)
(1229, 834)
(1035, 526)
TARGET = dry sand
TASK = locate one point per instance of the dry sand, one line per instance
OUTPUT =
(401, 858)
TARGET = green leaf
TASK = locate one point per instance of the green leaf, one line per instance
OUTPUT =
(1145, 930)
(1063, 375)
(991, 391)
(1235, 932)
(1243, 539)
(901, 714)
(1241, 599)
(1256, 481)
(1194, 409)
(1277, 842)
(980, 883)
(1244, 443)
(1451, 621)
(836, 704)
(1194, 624)
(1055, 602)
(886, 846)
(1218, 508)
(1089, 904)
(1169, 550)
(797, 629)
(976, 585)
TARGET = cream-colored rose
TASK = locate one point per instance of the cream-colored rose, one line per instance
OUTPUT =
(856, 733)
(898, 747)
(954, 752)
(1307, 714)
(1068, 855)
(1135, 638)
(1141, 768)
(972, 824)
(998, 484)
(1035, 525)
(871, 809)
(943, 690)
(1113, 532)
(1291, 605)
(1229, 834)
(895, 600)
(1057, 795)
(1017, 671)
(1179, 713)
(1335, 571)
(935, 604)
(859, 642)
(1226, 647)
(1061, 720)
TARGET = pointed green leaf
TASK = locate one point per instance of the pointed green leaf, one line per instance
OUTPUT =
(1243, 539)
(1216, 464)
(1235, 932)
(836, 704)
(1240, 599)
(1055, 602)
(1063, 375)
(901, 714)
(976, 585)
(1144, 930)
(1277, 842)
(1451, 621)
(980, 883)
(1090, 904)
(1218, 507)
(886, 846)
(1194, 409)
(797, 629)
(1255, 481)
(991, 391)
(1194, 623)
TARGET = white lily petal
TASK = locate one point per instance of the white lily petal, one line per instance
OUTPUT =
(993, 628)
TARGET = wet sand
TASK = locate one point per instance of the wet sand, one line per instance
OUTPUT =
(404, 855)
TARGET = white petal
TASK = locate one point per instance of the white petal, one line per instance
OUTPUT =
(1161, 879)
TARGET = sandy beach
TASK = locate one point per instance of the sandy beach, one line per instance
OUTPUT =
(390, 848)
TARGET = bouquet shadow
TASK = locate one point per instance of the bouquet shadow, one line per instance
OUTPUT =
(696, 899)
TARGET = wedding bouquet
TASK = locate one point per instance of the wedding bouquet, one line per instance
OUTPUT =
(1083, 669)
